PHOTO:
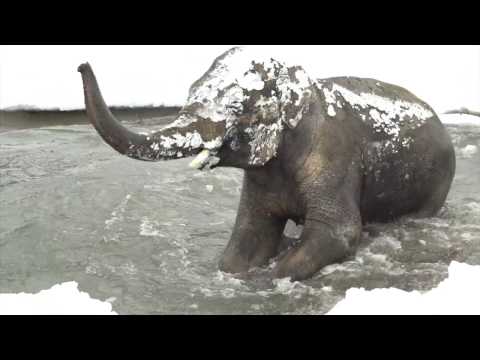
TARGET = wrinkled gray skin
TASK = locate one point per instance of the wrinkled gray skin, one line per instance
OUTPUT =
(330, 171)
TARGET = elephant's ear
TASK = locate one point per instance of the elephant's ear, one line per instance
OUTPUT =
(293, 94)
(264, 143)
(295, 89)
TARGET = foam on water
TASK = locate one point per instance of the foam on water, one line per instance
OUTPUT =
(468, 151)
(228, 279)
(115, 218)
(147, 228)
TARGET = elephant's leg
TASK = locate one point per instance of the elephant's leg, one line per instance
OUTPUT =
(328, 237)
(435, 201)
(255, 239)
(257, 232)
(320, 245)
(256, 235)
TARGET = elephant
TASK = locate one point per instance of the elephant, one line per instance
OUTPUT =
(330, 154)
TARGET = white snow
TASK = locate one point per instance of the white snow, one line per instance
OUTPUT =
(60, 299)
(234, 75)
(459, 294)
(390, 109)
(251, 81)
(189, 140)
(331, 110)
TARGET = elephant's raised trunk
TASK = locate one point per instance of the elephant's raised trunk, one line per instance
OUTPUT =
(180, 139)
(114, 133)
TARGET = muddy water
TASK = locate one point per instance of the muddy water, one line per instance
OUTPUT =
(147, 237)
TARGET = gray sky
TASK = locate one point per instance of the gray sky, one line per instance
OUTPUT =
(46, 77)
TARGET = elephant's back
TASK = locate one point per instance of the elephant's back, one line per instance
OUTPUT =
(406, 151)
(385, 112)
(374, 100)
(361, 86)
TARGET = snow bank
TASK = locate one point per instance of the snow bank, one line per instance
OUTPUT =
(60, 299)
(459, 294)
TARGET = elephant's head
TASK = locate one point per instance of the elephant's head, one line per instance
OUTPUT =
(234, 116)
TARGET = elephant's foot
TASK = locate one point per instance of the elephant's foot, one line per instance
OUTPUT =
(295, 264)
(233, 263)
(318, 247)
(255, 238)
(299, 264)
(236, 261)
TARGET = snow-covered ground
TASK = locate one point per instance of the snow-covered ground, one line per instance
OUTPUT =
(459, 294)
(60, 299)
